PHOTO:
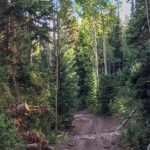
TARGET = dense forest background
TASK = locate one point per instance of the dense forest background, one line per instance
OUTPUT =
(53, 65)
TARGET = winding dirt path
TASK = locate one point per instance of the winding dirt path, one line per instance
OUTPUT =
(92, 133)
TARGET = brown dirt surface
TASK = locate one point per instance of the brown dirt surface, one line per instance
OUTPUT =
(92, 132)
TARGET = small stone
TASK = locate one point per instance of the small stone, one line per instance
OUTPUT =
(113, 143)
(50, 148)
(106, 147)
(70, 144)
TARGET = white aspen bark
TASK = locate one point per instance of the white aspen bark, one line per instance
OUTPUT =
(109, 67)
(132, 8)
(104, 48)
(96, 55)
(147, 13)
(57, 81)
(31, 57)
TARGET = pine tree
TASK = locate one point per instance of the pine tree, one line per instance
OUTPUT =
(85, 66)
(64, 74)
(138, 38)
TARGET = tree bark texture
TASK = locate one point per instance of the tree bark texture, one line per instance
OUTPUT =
(96, 55)
(147, 13)
(104, 48)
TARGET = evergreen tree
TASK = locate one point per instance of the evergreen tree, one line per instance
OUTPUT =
(85, 63)
(64, 63)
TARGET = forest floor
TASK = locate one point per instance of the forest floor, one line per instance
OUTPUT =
(92, 132)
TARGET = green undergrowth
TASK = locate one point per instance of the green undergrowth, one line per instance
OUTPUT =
(9, 138)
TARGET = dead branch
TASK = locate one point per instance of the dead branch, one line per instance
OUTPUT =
(126, 120)
(36, 141)
(23, 108)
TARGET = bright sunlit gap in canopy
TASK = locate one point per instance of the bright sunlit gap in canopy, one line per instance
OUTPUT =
(125, 10)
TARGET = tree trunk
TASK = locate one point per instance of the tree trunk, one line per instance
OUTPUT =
(132, 8)
(15, 84)
(104, 48)
(96, 55)
(56, 98)
(147, 13)
(29, 26)
(126, 120)
(3, 30)
(56, 70)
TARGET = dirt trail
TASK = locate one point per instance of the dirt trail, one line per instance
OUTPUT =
(92, 133)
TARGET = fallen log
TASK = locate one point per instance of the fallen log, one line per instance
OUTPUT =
(19, 110)
(23, 108)
(133, 116)
(126, 120)
(148, 147)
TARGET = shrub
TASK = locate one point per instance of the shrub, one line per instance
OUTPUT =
(137, 134)
(9, 138)
(107, 93)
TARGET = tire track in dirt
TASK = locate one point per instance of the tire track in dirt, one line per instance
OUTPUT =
(91, 132)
